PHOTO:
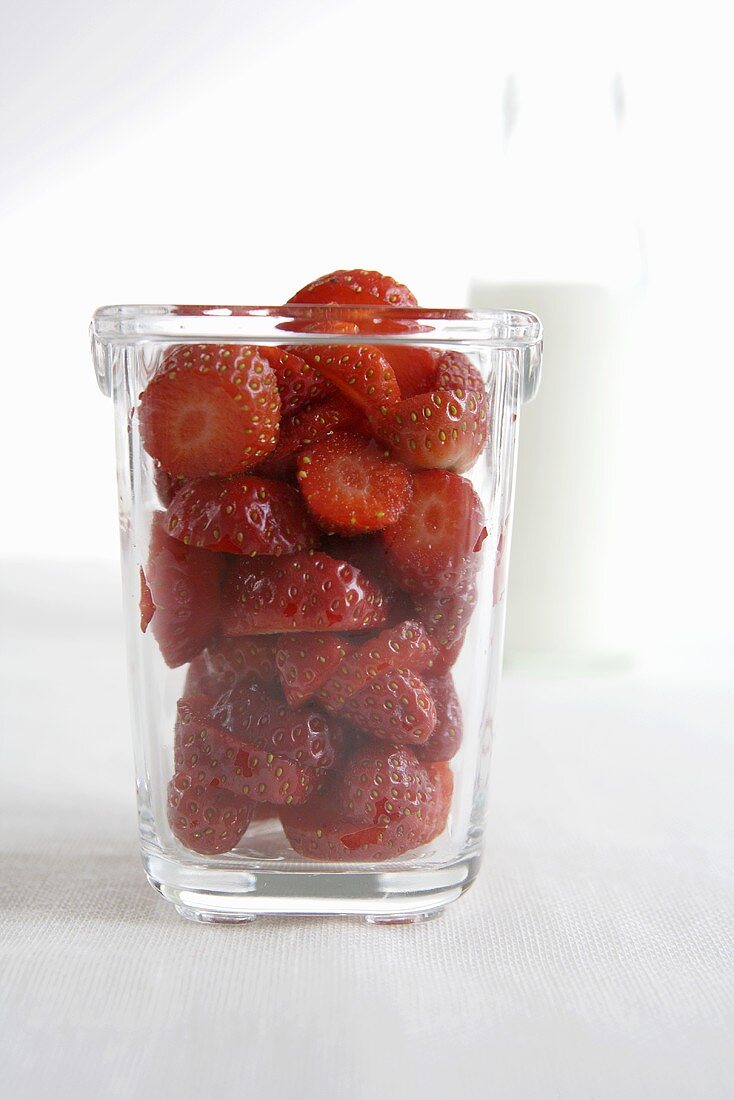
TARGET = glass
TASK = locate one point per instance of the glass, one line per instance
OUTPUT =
(394, 868)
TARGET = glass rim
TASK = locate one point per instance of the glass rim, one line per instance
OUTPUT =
(501, 328)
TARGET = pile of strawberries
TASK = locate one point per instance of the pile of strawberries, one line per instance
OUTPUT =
(316, 564)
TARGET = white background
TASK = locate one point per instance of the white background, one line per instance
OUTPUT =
(161, 151)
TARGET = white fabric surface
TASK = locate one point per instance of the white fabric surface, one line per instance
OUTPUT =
(592, 959)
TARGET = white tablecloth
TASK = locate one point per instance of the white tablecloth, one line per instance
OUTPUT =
(592, 959)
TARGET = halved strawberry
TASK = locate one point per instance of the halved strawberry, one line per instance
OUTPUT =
(456, 372)
(441, 776)
(298, 383)
(231, 660)
(395, 706)
(305, 662)
(198, 680)
(304, 428)
(350, 484)
(241, 515)
(302, 734)
(378, 784)
(354, 287)
(206, 819)
(436, 430)
(437, 543)
(184, 585)
(360, 372)
(446, 617)
(445, 741)
(306, 591)
(316, 831)
(415, 368)
(211, 409)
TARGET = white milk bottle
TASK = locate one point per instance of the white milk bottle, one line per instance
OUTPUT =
(564, 244)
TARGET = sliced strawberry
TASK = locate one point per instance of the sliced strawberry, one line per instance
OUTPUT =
(166, 486)
(415, 368)
(184, 585)
(305, 662)
(317, 832)
(441, 776)
(354, 287)
(405, 646)
(436, 430)
(298, 383)
(457, 373)
(147, 607)
(360, 372)
(395, 706)
(445, 741)
(211, 409)
(206, 819)
(305, 591)
(378, 784)
(437, 542)
(306, 427)
(446, 618)
(303, 735)
(213, 756)
(198, 679)
(229, 661)
(241, 515)
(350, 484)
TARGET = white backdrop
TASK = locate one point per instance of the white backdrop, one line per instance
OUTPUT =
(149, 152)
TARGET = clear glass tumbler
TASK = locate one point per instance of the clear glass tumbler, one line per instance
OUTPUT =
(315, 511)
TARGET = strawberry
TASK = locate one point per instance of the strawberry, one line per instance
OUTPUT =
(231, 660)
(317, 832)
(305, 591)
(198, 680)
(298, 383)
(302, 735)
(214, 756)
(457, 373)
(304, 428)
(404, 646)
(378, 784)
(446, 617)
(146, 605)
(206, 819)
(211, 409)
(445, 740)
(395, 706)
(415, 368)
(305, 662)
(360, 372)
(440, 775)
(356, 287)
(241, 515)
(434, 430)
(350, 484)
(184, 585)
(436, 545)
(166, 486)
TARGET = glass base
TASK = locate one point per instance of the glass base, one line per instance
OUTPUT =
(217, 896)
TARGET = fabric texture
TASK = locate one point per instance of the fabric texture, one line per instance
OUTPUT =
(592, 959)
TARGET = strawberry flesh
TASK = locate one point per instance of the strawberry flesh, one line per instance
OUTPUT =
(395, 706)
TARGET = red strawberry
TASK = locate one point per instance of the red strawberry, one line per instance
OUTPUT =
(405, 646)
(231, 660)
(415, 368)
(198, 680)
(166, 486)
(438, 812)
(436, 544)
(184, 585)
(211, 409)
(360, 372)
(445, 740)
(241, 515)
(305, 662)
(355, 287)
(306, 591)
(446, 618)
(395, 706)
(378, 784)
(434, 430)
(306, 427)
(298, 382)
(457, 373)
(215, 757)
(302, 735)
(147, 607)
(206, 819)
(317, 832)
(350, 484)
